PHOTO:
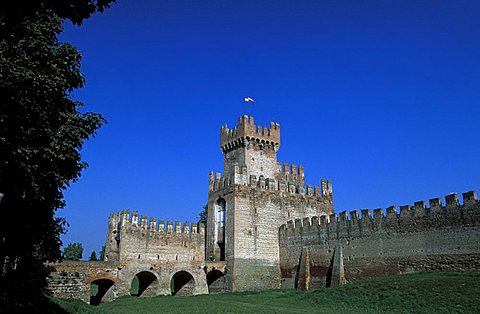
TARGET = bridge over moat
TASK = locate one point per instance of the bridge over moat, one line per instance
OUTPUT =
(96, 282)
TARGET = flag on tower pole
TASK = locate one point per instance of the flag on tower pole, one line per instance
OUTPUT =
(248, 99)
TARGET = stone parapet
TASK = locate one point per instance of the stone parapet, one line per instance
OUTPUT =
(246, 130)
(407, 219)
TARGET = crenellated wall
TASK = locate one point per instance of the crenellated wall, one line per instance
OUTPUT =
(134, 237)
(392, 242)
(290, 173)
(246, 128)
(282, 183)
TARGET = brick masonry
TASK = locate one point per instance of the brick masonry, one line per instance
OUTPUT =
(267, 229)
(416, 238)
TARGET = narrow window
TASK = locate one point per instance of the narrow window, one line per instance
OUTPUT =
(221, 218)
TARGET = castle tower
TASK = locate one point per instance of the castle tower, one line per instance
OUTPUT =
(247, 205)
(250, 151)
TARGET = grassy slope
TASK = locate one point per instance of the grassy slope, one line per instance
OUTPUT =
(438, 292)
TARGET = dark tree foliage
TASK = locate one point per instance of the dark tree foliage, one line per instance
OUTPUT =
(102, 253)
(73, 252)
(202, 216)
(42, 131)
(74, 10)
(93, 257)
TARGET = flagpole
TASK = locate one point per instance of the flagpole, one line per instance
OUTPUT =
(249, 100)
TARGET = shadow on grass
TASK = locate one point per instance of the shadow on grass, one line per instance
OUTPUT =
(29, 303)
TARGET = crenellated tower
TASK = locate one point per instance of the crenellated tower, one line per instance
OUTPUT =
(250, 150)
(254, 197)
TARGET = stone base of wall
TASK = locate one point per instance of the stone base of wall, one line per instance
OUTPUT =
(363, 268)
(68, 285)
(254, 275)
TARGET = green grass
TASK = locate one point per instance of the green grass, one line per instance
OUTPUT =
(430, 292)
(75, 306)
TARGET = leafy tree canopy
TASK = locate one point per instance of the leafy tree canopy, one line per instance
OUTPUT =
(42, 130)
(73, 252)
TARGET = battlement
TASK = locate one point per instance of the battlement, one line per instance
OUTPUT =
(292, 187)
(132, 222)
(284, 184)
(246, 130)
(292, 169)
(218, 182)
(414, 218)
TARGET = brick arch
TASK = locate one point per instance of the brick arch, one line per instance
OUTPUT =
(108, 276)
(144, 283)
(215, 281)
(101, 289)
(182, 283)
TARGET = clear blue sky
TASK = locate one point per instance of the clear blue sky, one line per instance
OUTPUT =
(381, 97)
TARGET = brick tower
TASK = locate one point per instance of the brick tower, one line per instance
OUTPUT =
(247, 205)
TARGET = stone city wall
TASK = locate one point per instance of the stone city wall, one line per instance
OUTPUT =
(131, 238)
(416, 238)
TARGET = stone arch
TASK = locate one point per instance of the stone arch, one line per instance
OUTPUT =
(182, 283)
(144, 284)
(101, 290)
(215, 281)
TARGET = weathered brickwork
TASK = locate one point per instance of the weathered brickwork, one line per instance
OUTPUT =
(267, 229)
(417, 238)
(254, 198)
(133, 239)
(142, 259)
(74, 279)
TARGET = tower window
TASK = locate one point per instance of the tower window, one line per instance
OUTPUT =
(221, 217)
(221, 212)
